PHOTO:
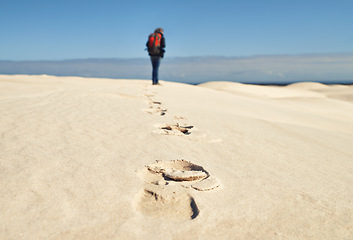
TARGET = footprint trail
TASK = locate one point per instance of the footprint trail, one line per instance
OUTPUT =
(168, 188)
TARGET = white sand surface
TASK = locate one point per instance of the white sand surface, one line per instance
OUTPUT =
(74, 157)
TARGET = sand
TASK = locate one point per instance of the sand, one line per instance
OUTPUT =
(88, 158)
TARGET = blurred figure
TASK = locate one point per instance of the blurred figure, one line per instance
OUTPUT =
(155, 46)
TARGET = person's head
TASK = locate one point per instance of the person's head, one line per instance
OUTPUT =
(159, 30)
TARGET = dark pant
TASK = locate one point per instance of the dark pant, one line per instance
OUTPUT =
(156, 60)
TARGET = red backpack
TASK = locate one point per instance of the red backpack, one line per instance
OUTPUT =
(154, 43)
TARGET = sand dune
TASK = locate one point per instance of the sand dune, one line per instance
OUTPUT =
(235, 161)
(261, 91)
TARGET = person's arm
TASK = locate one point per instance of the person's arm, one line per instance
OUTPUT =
(162, 42)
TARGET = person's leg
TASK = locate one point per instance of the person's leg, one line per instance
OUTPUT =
(155, 65)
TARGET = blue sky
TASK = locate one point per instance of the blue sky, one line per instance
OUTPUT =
(69, 29)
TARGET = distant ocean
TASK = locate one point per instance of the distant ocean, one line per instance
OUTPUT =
(328, 82)
(263, 70)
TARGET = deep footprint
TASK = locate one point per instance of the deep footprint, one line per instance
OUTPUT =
(166, 204)
(177, 127)
(167, 186)
(183, 130)
(178, 170)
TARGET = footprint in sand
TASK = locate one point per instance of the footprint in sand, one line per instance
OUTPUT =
(178, 170)
(168, 184)
(183, 130)
(157, 110)
(183, 173)
(155, 107)
(165, 203)
(179, 118)
(174, 129)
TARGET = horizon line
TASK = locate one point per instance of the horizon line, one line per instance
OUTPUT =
(179, 57)
(266, 83)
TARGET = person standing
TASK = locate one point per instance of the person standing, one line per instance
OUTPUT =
(155, 46)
